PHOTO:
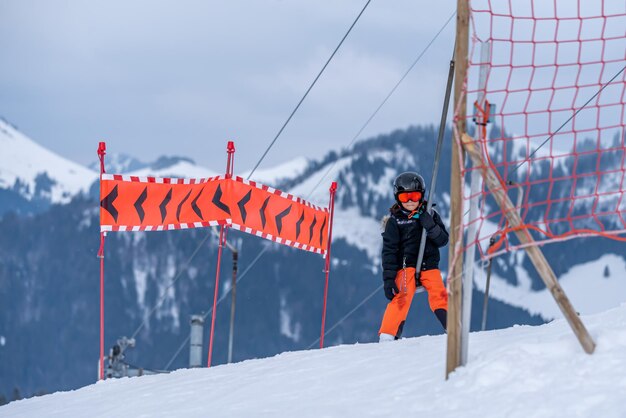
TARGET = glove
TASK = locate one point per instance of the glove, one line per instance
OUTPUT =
(427, 221)
(390, 288)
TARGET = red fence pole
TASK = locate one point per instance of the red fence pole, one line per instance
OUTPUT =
(101, 152)
(230, 149)
(333, 189)
(101, 255)
(215, 293)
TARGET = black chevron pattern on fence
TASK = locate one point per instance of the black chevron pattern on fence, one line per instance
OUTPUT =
(311, 228)
(107, 203)
(217, 200)
(180, 206)
(194, 205)
(262, 211)
(322, 231)
(139, 204)
(298, 225)
(279, 218)
(163, 205)
(242, 205)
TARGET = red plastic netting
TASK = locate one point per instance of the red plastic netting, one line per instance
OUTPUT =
(552, 76)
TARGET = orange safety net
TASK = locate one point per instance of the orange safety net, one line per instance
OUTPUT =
(129, 203)
(549, 99)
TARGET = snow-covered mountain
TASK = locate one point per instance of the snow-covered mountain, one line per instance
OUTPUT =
(516, 372)
(119, 163)
(32, 173)
(36, 172)
(365, 176)
(275, 176)
(281, 308)
(173, 167)
(358, 224)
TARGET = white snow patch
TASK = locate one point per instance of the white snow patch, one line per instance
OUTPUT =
(584, 284)
(85, 221)
(192, 272)
(140, 273)
(320, 195)
(167, 294)
(522, 371)
(186, 169)
(182, 169)
(22, 158)
(289, 330)
(383, 186)
(271, 176)
(226, 286)
(359, 231)
(3, 341)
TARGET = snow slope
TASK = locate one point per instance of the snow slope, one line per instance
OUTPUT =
(22, 158)
(181, 169)
(591, 287)
(516, 372)
(271, 176)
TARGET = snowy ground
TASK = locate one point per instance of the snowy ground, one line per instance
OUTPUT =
(591, 287)
(517, 372)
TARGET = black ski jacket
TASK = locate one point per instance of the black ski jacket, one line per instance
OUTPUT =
(401, 242)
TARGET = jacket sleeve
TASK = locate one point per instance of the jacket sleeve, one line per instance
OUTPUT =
(391, 249)
(437, 234)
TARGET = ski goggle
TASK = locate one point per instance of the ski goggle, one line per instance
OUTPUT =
(414, 196)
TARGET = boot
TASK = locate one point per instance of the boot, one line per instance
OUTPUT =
(442, 316)
(383, 338)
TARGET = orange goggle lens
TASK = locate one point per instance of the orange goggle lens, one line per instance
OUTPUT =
(414, 196)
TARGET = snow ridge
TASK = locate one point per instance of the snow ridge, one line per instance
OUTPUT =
(37, 171)
(521, 371)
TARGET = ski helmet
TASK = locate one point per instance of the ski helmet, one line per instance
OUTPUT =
(408, 182)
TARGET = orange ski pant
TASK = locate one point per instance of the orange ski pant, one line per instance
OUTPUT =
(398, 308)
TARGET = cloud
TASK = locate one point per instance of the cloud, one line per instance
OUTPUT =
(158, 77)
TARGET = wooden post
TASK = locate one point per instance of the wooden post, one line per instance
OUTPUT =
(453, 357)
(533, 251)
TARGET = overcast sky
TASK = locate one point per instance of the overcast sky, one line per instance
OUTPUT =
(183, 77)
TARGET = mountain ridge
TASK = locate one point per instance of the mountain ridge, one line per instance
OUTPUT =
(50, 256)
(36, 172)
(32, 177)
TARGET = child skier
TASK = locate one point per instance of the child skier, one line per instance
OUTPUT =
(401, 242)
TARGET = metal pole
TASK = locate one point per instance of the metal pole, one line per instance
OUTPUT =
(195, 340)
(433, 180)
(472, 230)
(492, 242)
(486, 300)
(233, 291)
(333, 189)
